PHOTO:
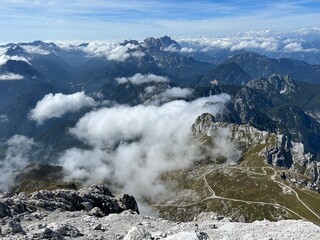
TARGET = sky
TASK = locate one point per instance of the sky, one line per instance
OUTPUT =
(28, 20)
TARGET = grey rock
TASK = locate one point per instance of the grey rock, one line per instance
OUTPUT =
(65, 230)
(98, 227)
(202, 236)
(97, 212)
(50, 234)
(137, 234)
(96, 199)
(87, 206)
(13, 227)
(4, 210)
(203, 123)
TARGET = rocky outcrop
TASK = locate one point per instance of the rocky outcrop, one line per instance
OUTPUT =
(203, 123)
(95, 201)
(78, 225)
(275, 84)
(277, 149)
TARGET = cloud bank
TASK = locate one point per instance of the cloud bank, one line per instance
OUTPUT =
(132, 146)
(35, 50)
(111, 50)
(16, 158)
(139, 78)
(169, 94)
(269, 41)
(10, 76)
(4, 58)
(55, 105)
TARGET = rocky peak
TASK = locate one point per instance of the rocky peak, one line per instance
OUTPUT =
(160, 43)
(274, 84)
(42, 44)
(15, 50)
(278, 150)
(203, 123)
(133, 42)
(248, 56)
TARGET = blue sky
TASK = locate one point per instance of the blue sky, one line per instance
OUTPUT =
(26, 20)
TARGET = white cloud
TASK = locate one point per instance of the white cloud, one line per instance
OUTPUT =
(171, 48)
(297, 47)
(4, 58)
(150, 89)
(3, 50)
(186, 50)
(269, 41)
(132, 146)
(55, 105)
(10, 76)
(35, 50)
(137, 54)
(4, 118)
(293, 47)
(140, 79)
(16, 158)
(172, 94)
(111, 50)
(269, 46)
(177, 92)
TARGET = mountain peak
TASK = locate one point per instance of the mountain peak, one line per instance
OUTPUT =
(279, 83)
(161, 43)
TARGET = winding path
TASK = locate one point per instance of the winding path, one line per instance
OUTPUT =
(214, 196)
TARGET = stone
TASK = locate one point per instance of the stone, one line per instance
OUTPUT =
(97, 212)
(50, 234)
(183, 236)
(13, 227)
(137, 234)
(96, 199)
(98, 227)
(87, 206)
(4, 210)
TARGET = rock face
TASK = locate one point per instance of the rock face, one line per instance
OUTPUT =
(96, 201)
(282, 105)
(275, 84)
(277, 149)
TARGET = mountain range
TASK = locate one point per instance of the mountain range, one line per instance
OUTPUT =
(276, 96)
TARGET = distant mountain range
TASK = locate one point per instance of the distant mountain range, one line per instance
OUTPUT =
(272, 111)
(282, 89)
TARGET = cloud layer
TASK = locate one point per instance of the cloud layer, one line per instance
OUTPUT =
(35, 50)
(16, 158)
(269, 41)
(139, 78)
(55, 105)
(132, 146)
(169, 94)
(10, 76)
(111, 50)
(4, 58)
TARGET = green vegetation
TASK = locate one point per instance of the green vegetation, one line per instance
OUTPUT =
(41, 176)
(243, 192)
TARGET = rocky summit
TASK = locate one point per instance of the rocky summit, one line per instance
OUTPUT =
(94, 213)
(19, 211)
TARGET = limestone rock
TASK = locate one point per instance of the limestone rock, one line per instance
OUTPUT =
(137, 234)
(96, 199)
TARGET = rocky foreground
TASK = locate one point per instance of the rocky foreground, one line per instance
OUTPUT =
(95, 213)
